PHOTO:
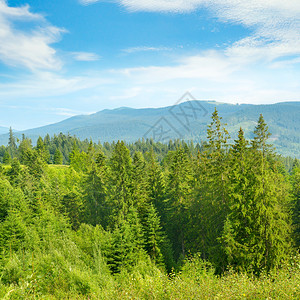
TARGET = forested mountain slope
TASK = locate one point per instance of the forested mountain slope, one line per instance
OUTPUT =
(149, 220)
(185, 121)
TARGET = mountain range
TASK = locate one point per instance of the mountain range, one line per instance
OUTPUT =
(187, 120)
(3, 130)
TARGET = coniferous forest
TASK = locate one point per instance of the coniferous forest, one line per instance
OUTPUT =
(146, 220)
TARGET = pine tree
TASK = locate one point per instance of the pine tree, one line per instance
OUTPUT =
(120, 182)
(58, 157)
(96, 208)
(179, 191)
(15, 172)
(261, 136)
(126, 248)
(6, 158)
(238, 237)
(12, 140)
(140, 190)
(42, 150)
(35, 164)
(295, 179)
(47, 140)
(156, 183)
(24, 146)
(153, 235)
(210, 204)
(271, 226)
(72, 207)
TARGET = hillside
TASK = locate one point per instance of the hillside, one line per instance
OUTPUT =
(187, 120)
(3, 130)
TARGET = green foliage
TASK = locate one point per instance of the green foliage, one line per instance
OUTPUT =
(148, 220)
(256, 232)
(295, 179)
(58, 157)
(6, 158)
(120, 183)
(156, 242)
(179, 191)
(127, 243)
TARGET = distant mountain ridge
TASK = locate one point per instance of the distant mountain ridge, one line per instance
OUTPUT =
(186, 120)
(3, 130)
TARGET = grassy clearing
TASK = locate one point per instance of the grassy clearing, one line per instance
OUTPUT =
(145, 281)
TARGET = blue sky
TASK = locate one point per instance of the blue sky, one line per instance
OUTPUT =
(68, 57)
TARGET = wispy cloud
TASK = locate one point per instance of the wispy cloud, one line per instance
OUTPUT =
(209, 65)
(88, 2)
(27, 48)
(127, 93)
(217, 75)
(85, 56)
(145, 49)
(275, 24)
(43, 84)
(66, 112)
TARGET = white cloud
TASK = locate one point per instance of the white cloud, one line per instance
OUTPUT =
(207, 65)
(275, 24)
(43, 84)
(215, 75)
(235, 8)
(253, 70)
(128, 93)
(88, 2)
(66, 112)
(85, 56)
(178, 6)
(27, 48)
(145, 49)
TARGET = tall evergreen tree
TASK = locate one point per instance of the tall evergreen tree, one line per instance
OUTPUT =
(179, 191)
(95, 185)
(6, 158)
(58, 157)
(270, 201)
(210, 206)
(156, 183)
(12, 140)
(140, 190)
(42, 150)
(238, 237)
(153, 235)
(24, 146)
(127, 243)
(120, 182)
(295, 179)
(15, 172)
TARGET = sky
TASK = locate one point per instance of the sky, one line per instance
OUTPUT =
(62, 58)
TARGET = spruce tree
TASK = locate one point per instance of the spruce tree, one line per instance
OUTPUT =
(210, 204)
(42, 150)
(238, 237)
(6, 158)
(270, 200)
(15, 172)
(140, 190)
(120, 182)
(58, 157)
(295, 179)
(156, 184)
(127, 243)
(95, 198)
(11, 140)
(153, 235)
(179, 191)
